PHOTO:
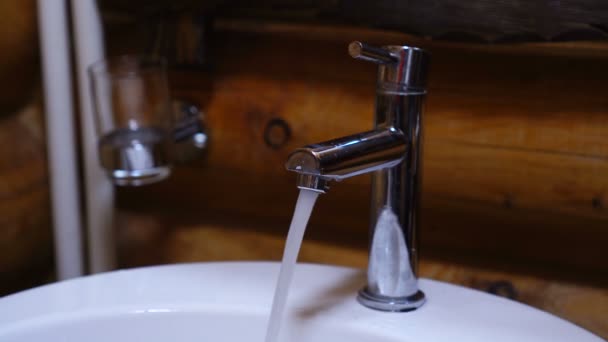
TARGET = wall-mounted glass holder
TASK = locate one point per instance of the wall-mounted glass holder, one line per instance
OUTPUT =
(140, 129)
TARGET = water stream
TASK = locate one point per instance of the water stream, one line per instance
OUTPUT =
(304, 206)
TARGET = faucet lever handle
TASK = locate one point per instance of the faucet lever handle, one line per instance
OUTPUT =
(371, 53)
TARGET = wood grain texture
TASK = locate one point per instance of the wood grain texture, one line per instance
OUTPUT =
(333, 32)
(514, 142)
(25, 228)
(477, 21)
(514, 178)
(18, 54)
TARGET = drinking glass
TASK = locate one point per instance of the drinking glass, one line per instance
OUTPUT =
(133, 117)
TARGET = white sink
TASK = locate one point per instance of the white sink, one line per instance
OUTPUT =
(230, 302)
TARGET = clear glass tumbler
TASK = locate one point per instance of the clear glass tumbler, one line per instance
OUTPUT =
(133, 116)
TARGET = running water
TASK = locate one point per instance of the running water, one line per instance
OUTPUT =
(304, 206)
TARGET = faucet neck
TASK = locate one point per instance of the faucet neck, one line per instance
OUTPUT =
(392, 284)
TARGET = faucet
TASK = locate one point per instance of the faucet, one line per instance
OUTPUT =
(391, 152)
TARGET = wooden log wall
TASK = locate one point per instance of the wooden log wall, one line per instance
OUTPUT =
(515, 155)
(515, 163)
(18, 54)
(25, 227)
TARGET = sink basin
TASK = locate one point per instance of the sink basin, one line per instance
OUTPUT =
(231, 302)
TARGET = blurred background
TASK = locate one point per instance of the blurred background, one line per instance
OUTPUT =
(515, 185)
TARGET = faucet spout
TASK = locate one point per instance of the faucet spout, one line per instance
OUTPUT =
(349, 156)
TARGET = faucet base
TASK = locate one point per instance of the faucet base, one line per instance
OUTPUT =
(391, 304)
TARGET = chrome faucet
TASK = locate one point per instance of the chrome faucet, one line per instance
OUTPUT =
(392, 153)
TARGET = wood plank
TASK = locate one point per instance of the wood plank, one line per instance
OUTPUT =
(530, 241)
(452, 227)
(545, 103)
(340, 33)
(25, 229)
(554, 183)
(479, 21)
(19, 54)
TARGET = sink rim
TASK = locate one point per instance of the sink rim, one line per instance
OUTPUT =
(320, 294)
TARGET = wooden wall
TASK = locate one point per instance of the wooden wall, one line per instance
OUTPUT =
(25, 228)
(515, 155)
(515, 179)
